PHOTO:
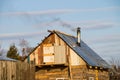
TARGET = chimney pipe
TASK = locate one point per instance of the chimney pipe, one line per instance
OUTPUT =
(78, 36)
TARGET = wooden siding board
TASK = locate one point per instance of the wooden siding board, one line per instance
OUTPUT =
(10, 70)
(57, 42)
(39, 55)
(75, 59)
(48, 51)
(60, 56)
(48, 48)
(36, 56)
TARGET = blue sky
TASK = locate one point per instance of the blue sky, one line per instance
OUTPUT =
(30, 19)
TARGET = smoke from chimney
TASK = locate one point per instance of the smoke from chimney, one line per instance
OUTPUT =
(78, 36)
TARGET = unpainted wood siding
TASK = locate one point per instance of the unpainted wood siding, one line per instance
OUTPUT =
(59, 41)
(59, 49)
(40, 56)
(61, 52)
(10, 70)
(36, 56)
(32, 58)
(75, 59)
(48, 54)
(60, 56)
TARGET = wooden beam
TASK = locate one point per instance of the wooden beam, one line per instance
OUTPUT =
(50, 31)
(96, 72)
(90, 67)
(96, 67)
(69, 64)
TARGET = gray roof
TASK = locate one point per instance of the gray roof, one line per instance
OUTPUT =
(3, 58)
(84, 51)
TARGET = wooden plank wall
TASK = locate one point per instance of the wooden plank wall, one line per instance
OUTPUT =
(83, 73)
(10, 70)
(52, 73)
(62, 73)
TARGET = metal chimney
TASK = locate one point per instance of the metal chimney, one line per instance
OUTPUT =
(78, 36)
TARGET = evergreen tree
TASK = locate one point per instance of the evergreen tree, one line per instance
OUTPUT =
(13, 52)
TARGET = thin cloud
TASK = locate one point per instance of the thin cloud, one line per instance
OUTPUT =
(94, 24)
(59, 11)
(98, 26)
(108, 51)
(47, 12)
(84, 25)
(108, 38)
(20, 35)
(101, 9)
(105, 45)
(107, 55)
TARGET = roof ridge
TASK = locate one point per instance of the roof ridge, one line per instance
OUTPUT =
(56, 31)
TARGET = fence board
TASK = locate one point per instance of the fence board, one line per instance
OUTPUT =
(10, 70)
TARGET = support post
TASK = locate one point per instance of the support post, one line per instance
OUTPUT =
(69, 64)
(96, 73)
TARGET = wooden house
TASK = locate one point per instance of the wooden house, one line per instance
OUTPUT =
(64, 57)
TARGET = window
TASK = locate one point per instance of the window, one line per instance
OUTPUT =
(60, 78)
(91, 78)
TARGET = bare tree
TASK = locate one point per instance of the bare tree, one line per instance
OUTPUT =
(25, 48)
(115, 68)
(23, 43)
(114, 61)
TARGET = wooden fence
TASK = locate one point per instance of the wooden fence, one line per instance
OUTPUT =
(11, 70)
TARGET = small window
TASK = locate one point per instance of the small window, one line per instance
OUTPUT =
(60, 78)
(91, 78)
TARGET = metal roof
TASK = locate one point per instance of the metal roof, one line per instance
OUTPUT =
(3, 58)
(84, 51)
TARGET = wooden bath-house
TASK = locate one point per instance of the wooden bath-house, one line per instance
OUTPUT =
(64, 57)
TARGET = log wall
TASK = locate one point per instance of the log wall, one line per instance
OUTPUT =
(77, 73)
(52, 73)
(84, 73)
